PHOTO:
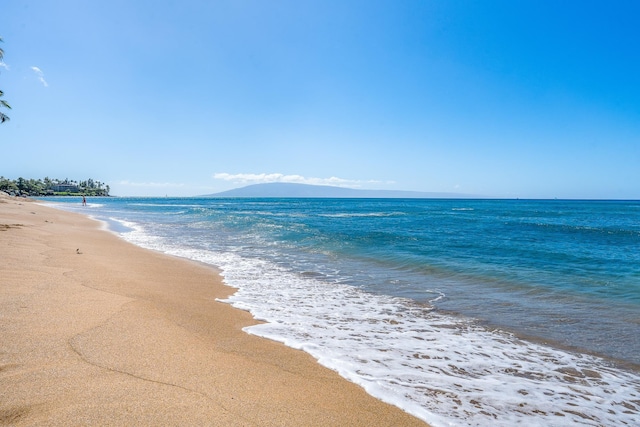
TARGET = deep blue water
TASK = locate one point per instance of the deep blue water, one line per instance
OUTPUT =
(564, 273)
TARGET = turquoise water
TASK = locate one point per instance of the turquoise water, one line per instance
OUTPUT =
(532, 287)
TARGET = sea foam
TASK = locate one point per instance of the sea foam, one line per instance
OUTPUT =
(445, 370)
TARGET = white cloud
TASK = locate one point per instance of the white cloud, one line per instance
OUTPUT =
(4, 65)
(40, 75)
(262, 178)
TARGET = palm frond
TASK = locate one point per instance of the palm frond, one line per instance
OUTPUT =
(3, 117)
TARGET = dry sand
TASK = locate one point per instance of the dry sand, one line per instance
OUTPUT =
(96, 331)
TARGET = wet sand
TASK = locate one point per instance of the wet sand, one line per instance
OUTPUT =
(96, 331)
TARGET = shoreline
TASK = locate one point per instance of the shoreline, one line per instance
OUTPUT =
(97, 330)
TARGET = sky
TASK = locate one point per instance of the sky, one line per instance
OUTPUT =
(527, 99)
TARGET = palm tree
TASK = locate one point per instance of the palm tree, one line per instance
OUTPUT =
(3, 103)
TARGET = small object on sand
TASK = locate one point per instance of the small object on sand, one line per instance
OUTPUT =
(78, 251)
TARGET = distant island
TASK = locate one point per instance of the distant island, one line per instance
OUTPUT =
(53, 187)
(286, 190)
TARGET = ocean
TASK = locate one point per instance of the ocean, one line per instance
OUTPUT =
(461, 312)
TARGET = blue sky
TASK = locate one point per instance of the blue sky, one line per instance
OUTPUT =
(529, 99)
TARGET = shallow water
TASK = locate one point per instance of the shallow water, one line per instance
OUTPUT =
(426, 303)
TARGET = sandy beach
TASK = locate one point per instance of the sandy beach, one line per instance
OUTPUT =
(96, 331)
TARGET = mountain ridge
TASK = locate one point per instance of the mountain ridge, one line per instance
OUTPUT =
(293, 190)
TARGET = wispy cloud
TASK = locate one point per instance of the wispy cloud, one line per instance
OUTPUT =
(4, 65)
(40, 76)
(262, 178)
(151, 184)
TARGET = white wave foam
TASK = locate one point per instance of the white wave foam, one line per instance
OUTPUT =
(362, 215)
(164, 205)
(444, 370)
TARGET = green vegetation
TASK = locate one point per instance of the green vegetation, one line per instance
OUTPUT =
(53, 187)
(3, 103)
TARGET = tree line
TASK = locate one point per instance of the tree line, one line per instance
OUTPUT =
(53, 187)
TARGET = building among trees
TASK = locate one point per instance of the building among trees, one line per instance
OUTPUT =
(53, 187)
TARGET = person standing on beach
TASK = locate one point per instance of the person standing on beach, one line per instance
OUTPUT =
(84, 200)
